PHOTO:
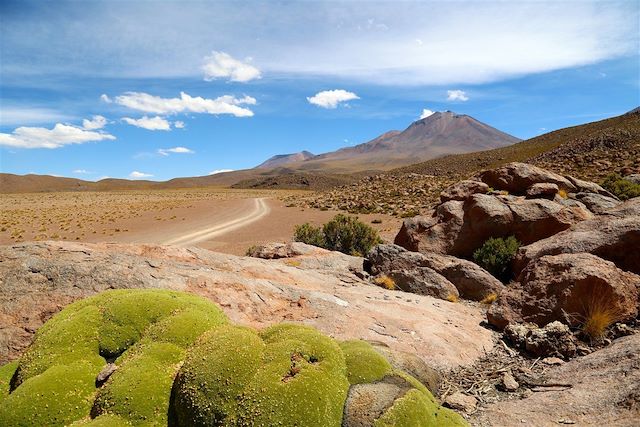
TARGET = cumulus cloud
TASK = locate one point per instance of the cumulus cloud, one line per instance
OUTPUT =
(178, 124)
(176, 150)
(331, 98)
(457, 95)
(222, 65)
(149, 123)
(96, 122)
(426, 113)
(139, 175)
(59, 136)
(226, 104)
(213, 172)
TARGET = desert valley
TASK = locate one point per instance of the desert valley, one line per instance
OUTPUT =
(443, 272)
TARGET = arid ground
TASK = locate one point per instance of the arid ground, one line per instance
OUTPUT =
(224, 220)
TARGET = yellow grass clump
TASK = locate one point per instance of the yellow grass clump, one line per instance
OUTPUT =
(489, 298)
(452, 298)
(385, 281)
(600, 312)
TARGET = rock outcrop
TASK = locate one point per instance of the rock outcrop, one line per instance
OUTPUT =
(614, 237)
(526, 202)
(38, 279)
(569, 288)
(471, 281)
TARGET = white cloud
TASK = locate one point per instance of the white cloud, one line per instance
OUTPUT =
(226, 104)
(138, 175)
(81, 171)
(97, 122)
(457, 95)
(220, 171)
(149, 123)
(331, 98)
(59, 136)
(176, 150)
(105, 98)
(426, 113)
(220, 64)
(178, 124)
(12, 116)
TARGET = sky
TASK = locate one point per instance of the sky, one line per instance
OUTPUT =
(163, 89)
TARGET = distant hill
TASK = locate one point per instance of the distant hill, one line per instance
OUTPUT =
(285, 159)
(439, 134)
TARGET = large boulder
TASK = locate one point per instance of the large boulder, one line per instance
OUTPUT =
(597, 203)
(472, 281)
(569, 288)
(423, 281)
(615, 237)
(463, 190)
(516, 178)
(459, 228)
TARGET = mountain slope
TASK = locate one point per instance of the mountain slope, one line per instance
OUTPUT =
(440, 134)
(284, 159)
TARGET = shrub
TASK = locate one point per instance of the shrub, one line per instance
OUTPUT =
(385, 281)
(496, 254)
(622, 188)
(307, 233)
(343, 233)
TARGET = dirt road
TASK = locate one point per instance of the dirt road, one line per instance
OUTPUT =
(259, 210)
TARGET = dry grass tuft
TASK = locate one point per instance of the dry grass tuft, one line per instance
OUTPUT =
(600, 312)
(563, 193)
(452, 298)
(490, 298)
(385, 281)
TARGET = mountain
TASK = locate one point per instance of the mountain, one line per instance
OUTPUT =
(285, 159)
(439, 134)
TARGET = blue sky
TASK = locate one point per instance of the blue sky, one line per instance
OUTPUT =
(164, 89)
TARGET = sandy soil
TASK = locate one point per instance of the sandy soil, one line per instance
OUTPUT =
(223, 220)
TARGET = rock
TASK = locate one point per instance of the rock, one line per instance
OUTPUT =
(471, 281)
(605, 385)
(542, 190)
(634, 178)
(567, 287)
(555, 339)
(553, 361)
(105, 373)
(463, 190)
(282, 250)
(508, 382)
(621, 330)
(597, 203)
(516, 178)
(424, 281)
(459, 228)
(461, 402)
(38, 279)
(614, 237)
(589, 187)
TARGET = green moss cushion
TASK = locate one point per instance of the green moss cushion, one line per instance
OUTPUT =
(55, 381)
(289, 375)
(179, 362)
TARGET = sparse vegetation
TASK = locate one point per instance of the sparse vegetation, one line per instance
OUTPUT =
(489, 299)
(563, 193)
(622, 188)
(496, 255)
(599, 313)
(385, 281)
(452, 298)
(343, 233)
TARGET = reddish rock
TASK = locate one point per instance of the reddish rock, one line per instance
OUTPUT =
(566, 288)
(516, 178)
(463, 190)
(459, 228)
(472, 282)
(423, 281)
(544, 190)
(614, 237)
